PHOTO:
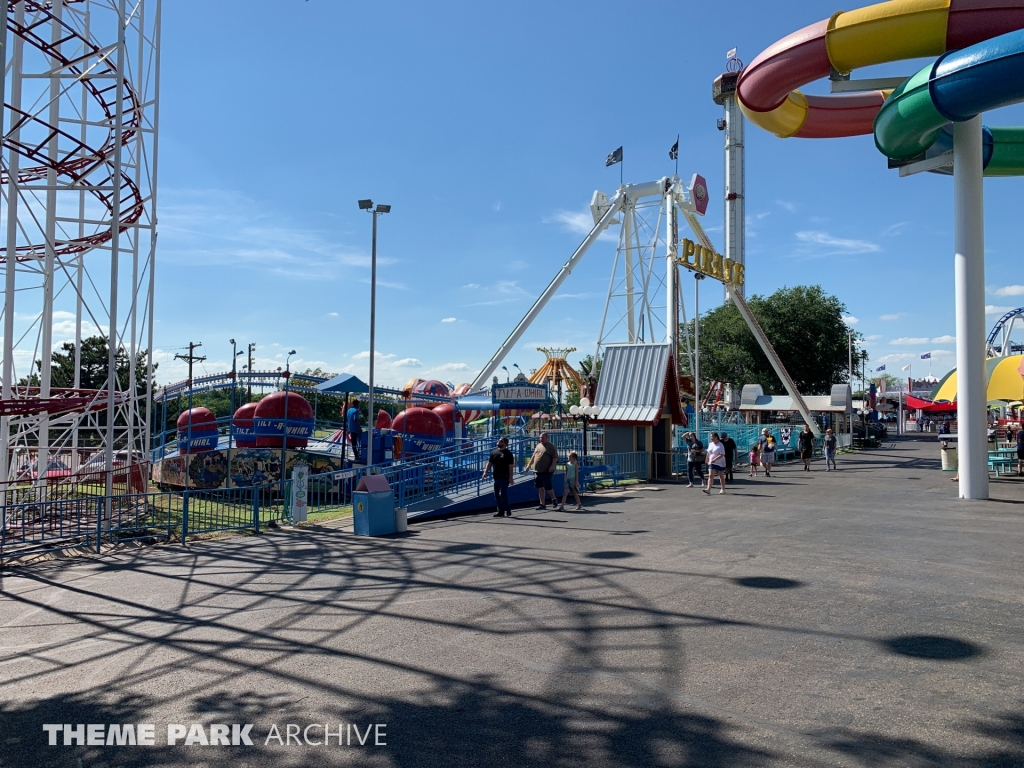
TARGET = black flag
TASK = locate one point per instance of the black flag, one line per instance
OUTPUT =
(673, 154)
(614, 157)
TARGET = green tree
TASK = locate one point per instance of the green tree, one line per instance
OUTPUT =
(95, 360)
(805, 326)
(586, 368)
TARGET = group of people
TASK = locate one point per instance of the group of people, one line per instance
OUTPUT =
(720, 456)
(543, 462)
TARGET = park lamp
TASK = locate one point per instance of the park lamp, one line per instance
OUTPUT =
(381, 208)
(365, 205)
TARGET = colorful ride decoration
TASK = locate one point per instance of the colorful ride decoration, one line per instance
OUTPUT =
(431, 387)
(197, 430)
(980, 66)
(556, 369)
(383, 420)
(242, 426)
(462, 389)
(423, 430)
(283, 416)
(449, 416)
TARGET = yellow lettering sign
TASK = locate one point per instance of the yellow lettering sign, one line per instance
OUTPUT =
(697, 258)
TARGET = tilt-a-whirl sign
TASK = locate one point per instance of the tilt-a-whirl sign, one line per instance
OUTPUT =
(696, 258)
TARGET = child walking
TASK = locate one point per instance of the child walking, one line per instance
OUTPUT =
(572, 482)
(755, 459)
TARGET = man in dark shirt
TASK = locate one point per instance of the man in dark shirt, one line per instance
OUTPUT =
(500, 463)
(730, 455)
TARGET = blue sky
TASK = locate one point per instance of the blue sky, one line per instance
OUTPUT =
(486, 126)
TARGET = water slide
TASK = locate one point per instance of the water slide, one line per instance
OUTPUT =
(979, 45)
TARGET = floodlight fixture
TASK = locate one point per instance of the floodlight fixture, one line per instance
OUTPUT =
(365, 205)
(381, 208)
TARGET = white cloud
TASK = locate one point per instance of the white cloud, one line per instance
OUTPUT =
(1007, 290)
(893, 316)
(909, 341)
(451, 367)
(850, 319)
(873, 337)
(837, 245)
(895, 229)
(471, 286)
(764, 214)
(365, 355)
(791, 207)
(577, 222)
(947, 339)
(215, 227)
(332, 314)
(447, 319)
(993, 309)
(407, 362)
(386, 284)
(497, 206)
(505, 292)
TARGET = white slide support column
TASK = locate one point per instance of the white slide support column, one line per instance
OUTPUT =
(969, 268)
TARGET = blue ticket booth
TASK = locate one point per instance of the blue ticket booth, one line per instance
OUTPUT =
(373, 507)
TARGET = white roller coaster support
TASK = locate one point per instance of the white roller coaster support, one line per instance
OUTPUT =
(483, 377)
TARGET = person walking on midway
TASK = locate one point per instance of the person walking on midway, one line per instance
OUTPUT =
(1020, 452)
(716, 464)
(543, 462)
(355, 430)
(500, 463)
(829, 447)
(768, 455)
(572, 482)
(806, 441)
(755, 459)
(694, 458)
(730, 455)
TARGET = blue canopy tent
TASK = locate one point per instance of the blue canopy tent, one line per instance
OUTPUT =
(344, 384)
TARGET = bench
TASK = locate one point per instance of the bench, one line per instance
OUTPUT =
(601, 471)
(1000, 461)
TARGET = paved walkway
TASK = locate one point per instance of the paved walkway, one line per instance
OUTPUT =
(857, 618)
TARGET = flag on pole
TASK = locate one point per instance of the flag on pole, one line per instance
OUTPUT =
(731, 53)
(673, 154)
(926, 356)
(613, 157)
(879, 368)
(906, 367)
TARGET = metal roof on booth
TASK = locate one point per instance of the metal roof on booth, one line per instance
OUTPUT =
(637, 382)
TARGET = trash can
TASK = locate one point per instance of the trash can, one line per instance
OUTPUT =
(949, 462)
(401, 520)
(373, 507)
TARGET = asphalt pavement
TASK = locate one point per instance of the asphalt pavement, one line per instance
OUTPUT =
(863, 617)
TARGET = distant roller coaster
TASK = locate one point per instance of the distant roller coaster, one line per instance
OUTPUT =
(998, 342)
(78, 178)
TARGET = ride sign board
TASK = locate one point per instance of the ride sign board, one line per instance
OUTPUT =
(696, 258)
(519, 394)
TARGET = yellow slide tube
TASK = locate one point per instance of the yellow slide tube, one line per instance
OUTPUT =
(891, 31)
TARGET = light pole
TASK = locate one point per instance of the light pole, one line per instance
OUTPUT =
(505, 369)
(367, 205)
(697, 277)
(252, 348)
(849, 351)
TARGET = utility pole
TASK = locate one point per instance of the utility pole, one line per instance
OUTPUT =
(191, 358)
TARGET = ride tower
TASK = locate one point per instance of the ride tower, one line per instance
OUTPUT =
(78, 178)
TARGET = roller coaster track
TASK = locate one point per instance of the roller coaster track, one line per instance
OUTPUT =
(79, 162)
(996, 340)
(28, 403)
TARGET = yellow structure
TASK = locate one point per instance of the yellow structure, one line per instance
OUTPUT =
(556, 368)
(1005, 380)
